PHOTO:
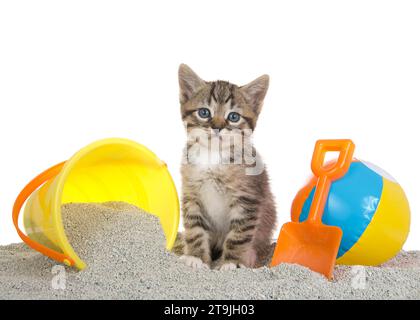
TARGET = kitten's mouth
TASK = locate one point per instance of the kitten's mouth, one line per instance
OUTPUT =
(215, 133)
(206, 137)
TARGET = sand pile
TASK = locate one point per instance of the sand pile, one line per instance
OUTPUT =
(124, 250)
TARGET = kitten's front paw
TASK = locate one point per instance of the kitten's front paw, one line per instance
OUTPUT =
(227, 266)
(194, 262)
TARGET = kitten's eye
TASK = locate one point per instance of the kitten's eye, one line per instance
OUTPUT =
(204, 113)
(233, 117)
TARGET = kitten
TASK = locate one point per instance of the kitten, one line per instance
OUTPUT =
(228, 208)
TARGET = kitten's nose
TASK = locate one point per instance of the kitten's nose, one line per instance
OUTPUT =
(217, 125)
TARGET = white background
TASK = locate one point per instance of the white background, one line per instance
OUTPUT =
(76, 71)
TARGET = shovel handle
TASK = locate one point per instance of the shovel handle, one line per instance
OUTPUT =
(338, 169)
(328, 173)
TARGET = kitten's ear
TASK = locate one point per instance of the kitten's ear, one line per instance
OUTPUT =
(189, 83)
(254, 92)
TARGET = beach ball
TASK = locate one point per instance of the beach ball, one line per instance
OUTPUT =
(371, 209)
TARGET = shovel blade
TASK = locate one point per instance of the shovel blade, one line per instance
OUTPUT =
(311, 245)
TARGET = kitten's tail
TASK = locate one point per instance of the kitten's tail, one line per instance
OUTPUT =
(178, 247)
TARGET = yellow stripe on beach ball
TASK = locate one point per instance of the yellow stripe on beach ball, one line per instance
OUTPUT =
(387, 231)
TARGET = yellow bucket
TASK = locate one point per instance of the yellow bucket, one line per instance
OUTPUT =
(106, 170)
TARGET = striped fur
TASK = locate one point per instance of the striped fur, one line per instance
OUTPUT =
(229, 214)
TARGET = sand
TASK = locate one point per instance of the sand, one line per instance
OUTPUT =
(124, 250)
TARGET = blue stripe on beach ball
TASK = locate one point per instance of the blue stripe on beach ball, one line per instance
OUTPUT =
(351, 204)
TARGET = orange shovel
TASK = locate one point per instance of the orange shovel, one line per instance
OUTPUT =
(311, 243)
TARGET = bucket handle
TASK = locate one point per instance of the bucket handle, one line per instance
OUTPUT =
(33, 185)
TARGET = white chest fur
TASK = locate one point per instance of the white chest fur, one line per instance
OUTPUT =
(216, 203)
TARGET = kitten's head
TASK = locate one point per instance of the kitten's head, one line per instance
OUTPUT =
(219, 107)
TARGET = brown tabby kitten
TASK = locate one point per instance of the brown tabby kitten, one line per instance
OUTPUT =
(228, 208)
